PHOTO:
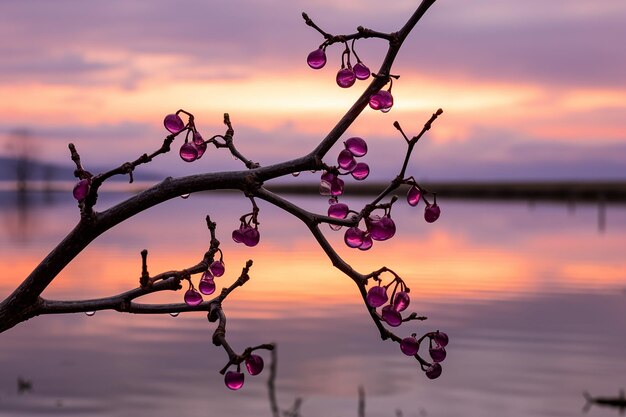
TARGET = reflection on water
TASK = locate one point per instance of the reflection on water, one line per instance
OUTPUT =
(532, 298)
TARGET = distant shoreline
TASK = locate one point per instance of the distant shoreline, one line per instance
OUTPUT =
(575, 191)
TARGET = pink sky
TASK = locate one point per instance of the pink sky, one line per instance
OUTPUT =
(530, 90)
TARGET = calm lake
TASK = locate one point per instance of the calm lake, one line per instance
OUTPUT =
(532, 296)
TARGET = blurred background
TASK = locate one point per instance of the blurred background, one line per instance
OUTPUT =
(530, 290)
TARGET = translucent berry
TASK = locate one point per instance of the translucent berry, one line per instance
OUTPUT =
(346, 160)
(336, 187)
(401, 301)
(173, 123)
(433, 371)
(367, 242)
(431, 213)
(254, 364)
(441, 338)
(234, 380)
(413, 196)
(345, 78)
(326, 183)
(338, 210)
(316, 59)
(206, 286)
(360, 171)
(356, 146)
(386, 100)
(200, 148)
(376, 296)
(354, 237)
(197, 138)
(192, 297)
(251, 236)
(328, 177)
(361, 71)
(238, 235)
(217, 268)
(409, 346)
(188, 152)
(81, 189)
(437, 352)
(381, 229)
(375, 100)
(391, 316)
(383, 100)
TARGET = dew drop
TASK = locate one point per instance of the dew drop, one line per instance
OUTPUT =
(235, 158)
(90, 313)
(184, 196)
(174, 314)
(295, 174)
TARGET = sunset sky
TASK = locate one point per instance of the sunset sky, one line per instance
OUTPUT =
(530, 89)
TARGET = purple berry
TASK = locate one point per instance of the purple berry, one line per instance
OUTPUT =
(381, 229)
(238, 235)
(81, 189)
(206, 286)
(413, 196)
(173, 123)
(336, 187)
(437, 352)
(441, 338)
(381, 101)
(197, 138)
(316, 59)
(325, 188)
(201, 149)
(409, 346)
(401, 301)
(433, 371)
(354, 237)
(361, 71)
(391, 316)
(254, 364)
(251, 236)
(431, 213)
(346, 160)
(188, 152)
(386, 100)
(338, 210)
(375, 100)
(217, 268)
(367, 242)
(326, 183)
(234, 380)
(376, 296)
(192, 297)
(360, 171)
(356, 146)
(345, 78)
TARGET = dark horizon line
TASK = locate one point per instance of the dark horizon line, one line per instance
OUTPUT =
(569, 190)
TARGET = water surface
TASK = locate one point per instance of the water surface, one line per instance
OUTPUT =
(531, 295)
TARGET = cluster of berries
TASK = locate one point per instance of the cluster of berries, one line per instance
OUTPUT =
(206, 284)
(190, 150)
(431, 212)
(234, 379)
(437, 343)
(347, 75)
(248, 232)
(330, 183)
(390, 314)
